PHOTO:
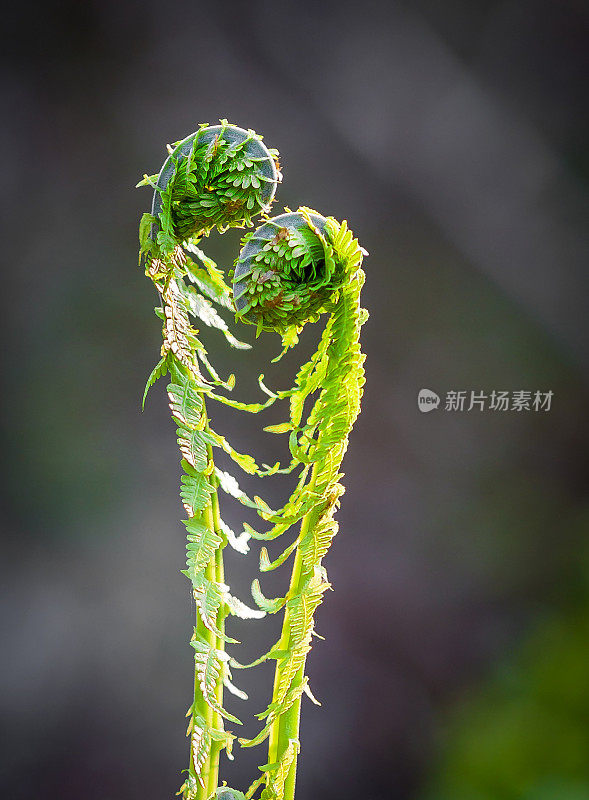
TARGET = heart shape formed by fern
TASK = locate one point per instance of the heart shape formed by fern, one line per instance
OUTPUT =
(291, 270)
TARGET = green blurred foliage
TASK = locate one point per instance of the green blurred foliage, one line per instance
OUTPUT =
(524, 735)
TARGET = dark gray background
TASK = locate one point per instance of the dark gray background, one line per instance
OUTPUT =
(453, 137)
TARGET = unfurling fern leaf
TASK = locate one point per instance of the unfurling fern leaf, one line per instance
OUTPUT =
(290, 271)
(293, 269)
(210, 597)
(209, 669)
(220, 176)
(200, 745)
(202, 542)
(195, 490)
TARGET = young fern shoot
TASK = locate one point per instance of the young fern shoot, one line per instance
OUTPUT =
(293, 269)
(220, 176)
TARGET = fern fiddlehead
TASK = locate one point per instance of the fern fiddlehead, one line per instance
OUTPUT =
(291, 270)
(220, 176)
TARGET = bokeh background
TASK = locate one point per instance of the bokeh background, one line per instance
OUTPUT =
(454, 138)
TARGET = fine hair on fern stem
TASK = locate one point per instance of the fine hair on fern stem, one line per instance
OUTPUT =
(292, 269)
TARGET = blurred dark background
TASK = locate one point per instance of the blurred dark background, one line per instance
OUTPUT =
(454, 138)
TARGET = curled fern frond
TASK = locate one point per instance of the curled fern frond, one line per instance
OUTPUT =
(220, 176)
(287, 270)
(290, 271)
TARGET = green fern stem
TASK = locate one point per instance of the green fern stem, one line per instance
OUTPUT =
(210, 770)
(276, 744)
(286, 728)
(206, 778)
(219, 577)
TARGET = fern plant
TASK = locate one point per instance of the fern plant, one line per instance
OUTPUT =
(293, 269)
